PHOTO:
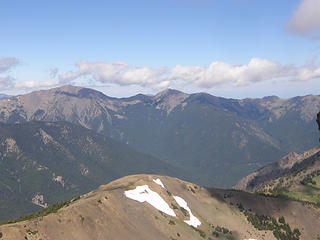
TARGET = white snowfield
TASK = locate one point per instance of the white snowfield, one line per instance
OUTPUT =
(145, 194)
(158, 181)
(193, 220)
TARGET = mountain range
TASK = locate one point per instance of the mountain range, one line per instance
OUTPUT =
(218, 140)
(4, 96)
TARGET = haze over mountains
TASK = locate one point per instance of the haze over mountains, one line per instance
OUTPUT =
(219, 140)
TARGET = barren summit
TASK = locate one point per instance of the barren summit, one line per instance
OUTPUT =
(119, 210)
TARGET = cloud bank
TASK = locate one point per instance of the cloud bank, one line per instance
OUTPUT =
(305, 20)
(217, 73)
(115, 72)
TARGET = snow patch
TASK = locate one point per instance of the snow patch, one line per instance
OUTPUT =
(144, 194)
(58, 179)
(158, 181)
(38, 200)
(193, 220)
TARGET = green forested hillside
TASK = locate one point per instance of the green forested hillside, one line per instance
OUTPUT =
(42, 163)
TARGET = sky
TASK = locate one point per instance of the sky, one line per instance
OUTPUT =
(228, 48)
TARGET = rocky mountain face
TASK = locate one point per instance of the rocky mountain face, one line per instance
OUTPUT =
(45, 162)
(160, 207)
(211, 137)
(288, 165)
(296, 176)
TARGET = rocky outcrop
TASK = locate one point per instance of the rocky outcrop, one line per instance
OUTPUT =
(275, 170)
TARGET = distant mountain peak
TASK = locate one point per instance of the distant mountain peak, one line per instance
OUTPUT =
(169, 92)
(68, 88)
(271, 98)
(168, 99)
(80, 92)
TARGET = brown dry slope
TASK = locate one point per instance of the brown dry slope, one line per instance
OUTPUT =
(108, 214)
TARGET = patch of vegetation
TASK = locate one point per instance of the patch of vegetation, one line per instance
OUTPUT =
(163, 215)
(184, 212)
(222, 230)
(228, 195)
(46, 211)
(174, 206)
(201, 233)
(169, 193)
(30, 232)
(309, 179)
(106, 197)
(156, 217)
(281, 230)
(240, 206)
(171, 222)
(308, 194)
(215, 234)
(178, 234)
(82, 218)
(99, 201)
(281, 220)
(1, 235)
(192, 190)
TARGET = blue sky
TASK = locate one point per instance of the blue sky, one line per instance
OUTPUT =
(231, 48)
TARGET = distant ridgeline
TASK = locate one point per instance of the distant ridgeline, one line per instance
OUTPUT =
(216, 139)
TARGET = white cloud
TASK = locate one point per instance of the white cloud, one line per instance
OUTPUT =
(142, 76)
(217, 73)
(8, 63)
(305, 20)
(119, 74)
(115, 72)
(36, 84)
(100, 71)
